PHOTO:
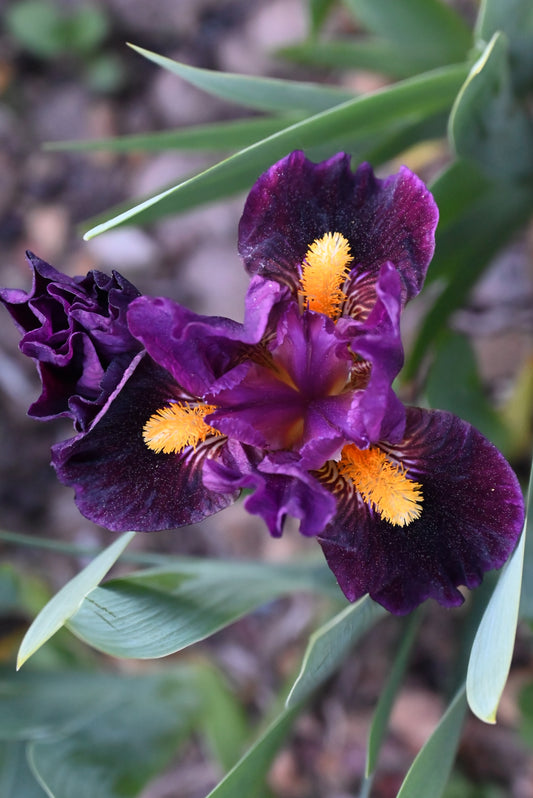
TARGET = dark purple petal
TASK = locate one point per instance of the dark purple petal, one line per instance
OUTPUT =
(119, 482)
(76, 331)
(472, 516)
(281, 487)
(297, 201)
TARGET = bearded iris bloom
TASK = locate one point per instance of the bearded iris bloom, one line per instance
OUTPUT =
(296, 404)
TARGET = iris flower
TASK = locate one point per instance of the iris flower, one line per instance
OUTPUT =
(295, 404)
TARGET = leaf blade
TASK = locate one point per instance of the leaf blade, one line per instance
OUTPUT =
(329, 645)
(383, 709)
(160, 611)
(492, 651)
(434, 761)
(67, 601)
(263, 94)
(364, 116)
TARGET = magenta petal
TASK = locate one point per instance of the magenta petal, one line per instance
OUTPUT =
(119, 482)
(472, 516)
(297, 201)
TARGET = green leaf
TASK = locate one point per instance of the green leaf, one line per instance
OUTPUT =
(248, 776)
(65, 603)
(263, 94)
(487, 123)
(410, 100)
(214, 137)
(120, 750)
(221, 715)
(375, 55)
(492, 651)
(163, 610)
(434, 761)
(319, 11)
(515, 19)
(456, 188)
(464, 395)
(37, 704)
(16, 779)
(526, 599)
(329, 645)
(382, 712)
(464, 249)
(429, 27)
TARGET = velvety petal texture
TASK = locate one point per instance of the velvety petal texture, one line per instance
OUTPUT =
(297, 201)
(472, 516)
(76, 331)
(121, 484)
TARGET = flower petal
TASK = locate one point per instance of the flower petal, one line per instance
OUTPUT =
(76, 331)
(296, 202)
(280, 487)
(377, 413)
(296, 399)
(196, 349)
(119, 482)
(472, 516)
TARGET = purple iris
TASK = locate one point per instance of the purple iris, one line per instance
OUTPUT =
(295, 404)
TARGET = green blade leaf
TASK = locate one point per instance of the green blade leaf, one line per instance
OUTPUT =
(16, 778)
(39, 704)
(526, 599)
(382, 712)
(248, 776)
(456, 188)
(213, 137)
(120, 750)
(221, 715)
(487, 123)
(329, 645)
(464, 249)
(319, 11)
(410, 100)
(492, 651)
(263, 94)
(429, 27)
(65, 603)
(163, 610)
(376, 55)
(515, 19)
(434, 761)
(465, 395)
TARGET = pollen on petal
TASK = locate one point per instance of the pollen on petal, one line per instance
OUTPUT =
(382, 484)
(170, 429)
(324, 270)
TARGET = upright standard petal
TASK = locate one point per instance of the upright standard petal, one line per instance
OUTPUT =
(297, 202)
(471, 517)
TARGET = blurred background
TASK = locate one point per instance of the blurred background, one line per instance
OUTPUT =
(67, 74)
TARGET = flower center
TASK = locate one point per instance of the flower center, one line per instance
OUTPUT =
(172, 428)
(324, 270)
(382, 484)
